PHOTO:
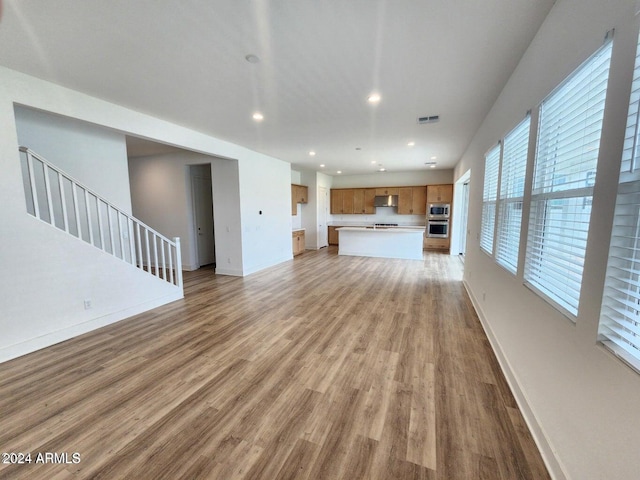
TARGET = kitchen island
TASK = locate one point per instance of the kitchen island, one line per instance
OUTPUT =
(381, 242)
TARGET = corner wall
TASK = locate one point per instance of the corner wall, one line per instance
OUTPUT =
(581, 402)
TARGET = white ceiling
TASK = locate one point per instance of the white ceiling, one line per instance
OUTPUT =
(319, 61)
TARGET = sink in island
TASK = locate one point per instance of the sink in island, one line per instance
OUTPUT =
(381, 242)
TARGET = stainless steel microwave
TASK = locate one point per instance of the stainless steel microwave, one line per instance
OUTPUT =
(438, 210)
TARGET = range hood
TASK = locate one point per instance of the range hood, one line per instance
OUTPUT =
(385, 201)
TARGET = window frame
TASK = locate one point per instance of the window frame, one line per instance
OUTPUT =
(554, 258)
(491, 186)
(516, 168)
(619, 321)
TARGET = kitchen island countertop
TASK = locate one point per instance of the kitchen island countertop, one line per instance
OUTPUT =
(395, 242)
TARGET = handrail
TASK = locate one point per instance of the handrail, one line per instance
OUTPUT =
(55, 197)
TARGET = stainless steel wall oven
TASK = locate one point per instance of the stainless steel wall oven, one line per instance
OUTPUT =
(438, 228)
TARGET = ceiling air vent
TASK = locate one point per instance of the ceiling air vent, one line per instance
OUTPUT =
(431, 119)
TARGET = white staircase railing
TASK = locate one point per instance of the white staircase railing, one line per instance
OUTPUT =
(56, 198)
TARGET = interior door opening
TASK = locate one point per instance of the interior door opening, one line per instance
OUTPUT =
(461, 214)
(323, 215)
(202, 195)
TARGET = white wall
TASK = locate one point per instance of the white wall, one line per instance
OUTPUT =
(581, 402)
(43, 286)
(94, 156)
(265, 209)
(394, 179)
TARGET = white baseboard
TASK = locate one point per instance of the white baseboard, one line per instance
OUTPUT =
(537, 432)
(262, 266)
(233, 272)
(13, 351)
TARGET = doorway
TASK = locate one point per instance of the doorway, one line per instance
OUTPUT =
(461, 212)
(202, 196)
(323, 215)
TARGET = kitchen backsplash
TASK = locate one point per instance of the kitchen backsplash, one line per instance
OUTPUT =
(383, 215)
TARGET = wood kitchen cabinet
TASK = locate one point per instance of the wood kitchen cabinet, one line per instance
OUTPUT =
(347, 201)
(299, 194)
(298, 242)
(436, 243)
(343, 201)
(333, 236)
(363, 199)
(387, 191)
(440, 193)
(336, 201)
(412, 200)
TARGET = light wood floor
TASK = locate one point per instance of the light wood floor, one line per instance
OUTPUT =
(324, 367)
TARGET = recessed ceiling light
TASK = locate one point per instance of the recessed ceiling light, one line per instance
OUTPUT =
(251, 58)
(312, 153)
(322, 165)
(382, 169)
(258, 116)
(373, 161)
(373, 98)
(339, 172)
(433, 166)
(434, 158)
(411, 144)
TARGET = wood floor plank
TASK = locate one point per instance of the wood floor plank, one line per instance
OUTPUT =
(323, 367)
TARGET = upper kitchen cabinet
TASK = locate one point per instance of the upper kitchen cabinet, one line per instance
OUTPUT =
(440, 193)
(299, 194)
(347, 201)
(412, 200)
(336, 201)
(387, 191)
(353, 201)
(363, 200)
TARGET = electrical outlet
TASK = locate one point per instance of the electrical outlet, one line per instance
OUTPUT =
(87, 304)
(484, 296)
(228, 259)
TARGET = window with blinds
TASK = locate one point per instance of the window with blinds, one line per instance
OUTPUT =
(514, 168)
(564, 174)
(620, 313)
(631, 152)
(489, 196)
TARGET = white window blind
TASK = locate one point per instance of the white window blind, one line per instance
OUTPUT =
(512, 176)
(620, 313)
(565, 167)
(631, 152)
(489, 195)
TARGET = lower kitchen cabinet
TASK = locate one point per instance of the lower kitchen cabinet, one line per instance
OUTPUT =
(333, 236)
(298, 242)
(436, 243)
